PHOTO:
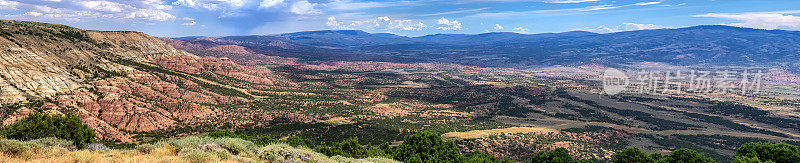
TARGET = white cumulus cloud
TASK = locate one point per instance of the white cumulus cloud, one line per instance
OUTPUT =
(269, 3)
(103, 6)
(449, 25)
(33, 13)
(762, 20)
(520, 30)
(8, 5)
(225, 8)
(190, 3)
(383, 23)
(622, 27)
(497, 27)
(304, 8)
(78, 10)
(189, 21)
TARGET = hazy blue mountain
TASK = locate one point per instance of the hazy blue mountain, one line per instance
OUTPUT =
(344, 38)
(708, 44)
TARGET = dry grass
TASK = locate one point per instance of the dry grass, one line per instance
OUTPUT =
(166, 153)
(114, 156)
(338, 121)
(174, 151)
(164, 150)
(484, 133)
(84, 156)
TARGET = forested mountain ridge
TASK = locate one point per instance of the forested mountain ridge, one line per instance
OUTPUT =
(698, 45)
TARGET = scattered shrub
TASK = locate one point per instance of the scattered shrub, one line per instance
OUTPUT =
(237, 146)
(54, 142)
(234, 146)
(210, 147)
(226, 134)
(242, 159)
(294, 141)
(349, 148)
(17, 148)
(198, 156)
(380, 160)
(287, 153)
(364, 160)
(222, 154)
(97, 147)
(145, 148)
(281, 152)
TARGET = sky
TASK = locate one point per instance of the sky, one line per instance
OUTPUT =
(176, 18)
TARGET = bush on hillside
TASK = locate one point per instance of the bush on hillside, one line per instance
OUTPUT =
(234, 146)
(227, 134)
(779, 153)
(750, 160)
(559, 155)
(425, 147)
(281, 152)
(53, 142)
(40, 125)
(479, 157)
(634, 155)
(631, 155)
(26, 149)
(686, 155)
(294, 141)
(287, 153)
(364, 160)
(347, 148)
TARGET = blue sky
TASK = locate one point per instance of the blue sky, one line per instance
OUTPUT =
(174, 18)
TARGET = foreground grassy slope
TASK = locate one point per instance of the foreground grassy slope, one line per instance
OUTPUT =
(422, 147)
(229, 146)
(191, 149)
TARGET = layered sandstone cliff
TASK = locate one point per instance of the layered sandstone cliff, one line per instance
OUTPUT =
(120, 82)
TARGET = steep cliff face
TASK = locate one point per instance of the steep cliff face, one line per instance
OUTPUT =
(120, 82)
(42, 60)
(134, 44)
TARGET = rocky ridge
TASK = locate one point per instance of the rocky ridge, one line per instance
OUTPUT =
(122, 83)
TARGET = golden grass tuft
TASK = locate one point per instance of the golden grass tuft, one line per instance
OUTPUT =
(85, 156)
(165, 150)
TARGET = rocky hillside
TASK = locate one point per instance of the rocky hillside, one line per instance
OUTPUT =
(121, 83)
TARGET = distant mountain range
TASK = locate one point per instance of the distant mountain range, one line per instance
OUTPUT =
(698, 45)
